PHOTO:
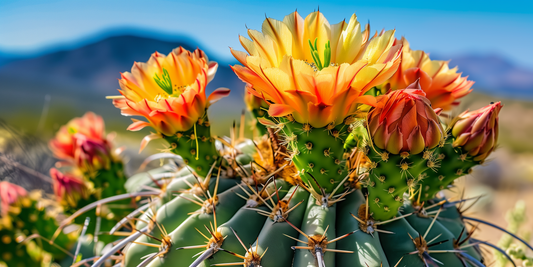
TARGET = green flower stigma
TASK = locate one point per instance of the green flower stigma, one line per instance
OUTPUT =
(165, 83)
(316, 56)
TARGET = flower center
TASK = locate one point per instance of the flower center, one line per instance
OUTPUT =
(165, 83)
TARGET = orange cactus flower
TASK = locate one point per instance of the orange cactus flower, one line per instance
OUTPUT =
(169, 91)
(313, 70)
(443, 86)
(67, 187)
(9, 194)
(477, 131)
(404, 121)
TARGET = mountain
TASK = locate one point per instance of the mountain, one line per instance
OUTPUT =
(78, 79)
(6, 58)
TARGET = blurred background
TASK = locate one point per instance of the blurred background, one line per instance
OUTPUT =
(59, 59)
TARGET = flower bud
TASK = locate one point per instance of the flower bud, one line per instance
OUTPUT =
(476, 132)
(403, 121)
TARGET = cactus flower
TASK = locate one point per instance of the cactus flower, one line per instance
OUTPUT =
(313, 70)
(65, 143)
(82, 142)
(67, 187)
(9, 194)
(443, 86)
(169, 91)
(404, 121)
(477, 131)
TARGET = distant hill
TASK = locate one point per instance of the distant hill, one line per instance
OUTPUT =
(6, 58)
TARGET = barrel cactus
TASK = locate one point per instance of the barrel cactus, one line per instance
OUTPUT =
(345, 168)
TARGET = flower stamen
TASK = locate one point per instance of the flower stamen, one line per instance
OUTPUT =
(164, 83)
(316, 56)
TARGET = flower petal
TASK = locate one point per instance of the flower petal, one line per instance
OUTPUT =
(279, 110)
(217, 95)
(137, 125)
(147, 140)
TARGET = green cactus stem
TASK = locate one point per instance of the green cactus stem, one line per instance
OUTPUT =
(195, 146)
(258, 235)
(390, 177)
(450, 218)
(317, 152)
(448, 164)
(369, 250)
(438, 238)
(247, 232)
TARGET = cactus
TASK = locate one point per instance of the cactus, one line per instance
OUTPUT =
(92, 170)
(471, 138)
(24, 219)
(345, 172)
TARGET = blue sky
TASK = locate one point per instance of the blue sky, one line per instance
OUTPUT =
(445, 28)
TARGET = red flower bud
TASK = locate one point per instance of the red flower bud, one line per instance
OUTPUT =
(403, 121)
(477, 131)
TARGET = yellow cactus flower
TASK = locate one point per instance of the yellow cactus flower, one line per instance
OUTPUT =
(443, 86)
(313, 70)
(169, 91)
